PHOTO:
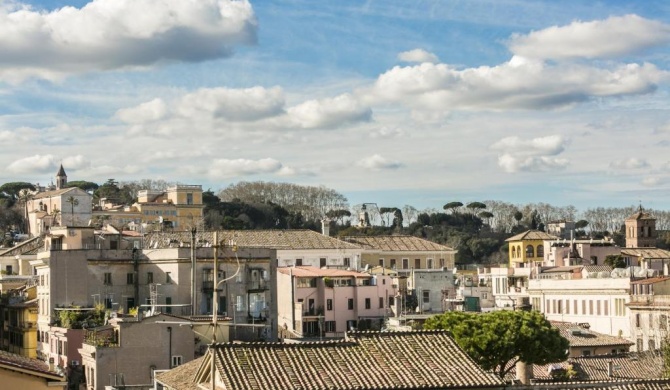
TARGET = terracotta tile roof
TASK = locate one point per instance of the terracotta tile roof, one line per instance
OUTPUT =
(397, 243)
(181, 377)
(365, 360)
(647, 253)
(27, 247)
(586, 337)
(32, 366)
(651, 280)
(649, 384)
(532, 235)
(49, 194)
(314, 272)
(632, 366)
(278, 239)
(640, 215)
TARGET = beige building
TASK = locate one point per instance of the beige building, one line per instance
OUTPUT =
(79, 267)
(586, 342)
(649, 311)
(18, 312)
(403, 253)
(527, 249)
(128, 350)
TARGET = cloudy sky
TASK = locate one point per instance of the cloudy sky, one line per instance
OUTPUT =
(393, 102)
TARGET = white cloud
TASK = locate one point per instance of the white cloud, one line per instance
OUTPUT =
(241, 167)
(248, 104)
(33, 164)
(629, 163)
(418, 55)
(387, 132)
(114, 34)
(520, 83)
(612, 37)
(538, 154)
(329, 112)
(377, 163)
(652, 181)
(150, 111)
(76, 162)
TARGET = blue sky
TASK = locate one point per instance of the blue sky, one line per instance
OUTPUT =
(391, 102)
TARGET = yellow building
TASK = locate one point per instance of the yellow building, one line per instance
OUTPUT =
(527, 249)
(19, 330)
(178, 207)
(20, 372)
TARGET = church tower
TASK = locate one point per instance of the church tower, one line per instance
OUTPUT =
(641, 230)
(61, 178)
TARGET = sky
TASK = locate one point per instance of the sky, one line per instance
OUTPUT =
(391, 102)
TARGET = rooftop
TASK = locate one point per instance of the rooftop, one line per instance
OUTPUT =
(397, 243)
(365, 360)
(277, 239)
(587, 338)
(314, 272)
(532, 235)
(31, 366)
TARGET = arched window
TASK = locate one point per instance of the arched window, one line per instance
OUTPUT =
(530, 251)
(513, 252)
(540, 250)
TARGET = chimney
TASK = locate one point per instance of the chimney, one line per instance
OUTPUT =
(325, 227)
(610, 370)
(524, 372)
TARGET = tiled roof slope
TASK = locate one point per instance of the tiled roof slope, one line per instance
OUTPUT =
(366, 360)
(278, 239)
(650, 384)
(398, 243)
(33, 366)
(647, 253)
(587, 338)
(532, 235)
(26, 247)
(181, 377)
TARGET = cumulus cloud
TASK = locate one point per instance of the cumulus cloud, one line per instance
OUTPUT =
(378, 163)
(652, 181)
(241, 105)
(417, 55)
(612, 37)
(33, 164)
(242, 167)
(114, 34)
(629, 163)
(520, 83)
(146, 112)
(330, 112)
(538, 154)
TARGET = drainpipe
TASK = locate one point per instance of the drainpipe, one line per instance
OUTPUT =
(169, 328)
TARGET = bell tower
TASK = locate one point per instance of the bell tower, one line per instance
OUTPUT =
(641, 230)
(61, 178)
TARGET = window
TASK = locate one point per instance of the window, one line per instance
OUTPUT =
(590, 307)
(429, 263)
(392, 263)
(426, 296)
(8, 270)
(347, 262)
(640, 345)
(350, 304)
(513, 252)
(108, 302)
(381, 262)
(663, 322)
(652, 345)
(368, 304)
(381, 302)
(168, 302)
(405, 263)
(637, 320)
(176, 361)
(540, 250)
(298, 262)
(574, 306)
(130, 278)
(530, 251)
(441, 263)
(168, 277)
(330, 326)
(306, 282)
(391, 301)
(329, 304)
(586, 352)
(108, 278)
(150, 277)
(417, 263)
(189, 198)
(322, 262)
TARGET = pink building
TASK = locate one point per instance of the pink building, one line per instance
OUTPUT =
(327, 302)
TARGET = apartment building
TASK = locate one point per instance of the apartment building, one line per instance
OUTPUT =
(316, 302)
